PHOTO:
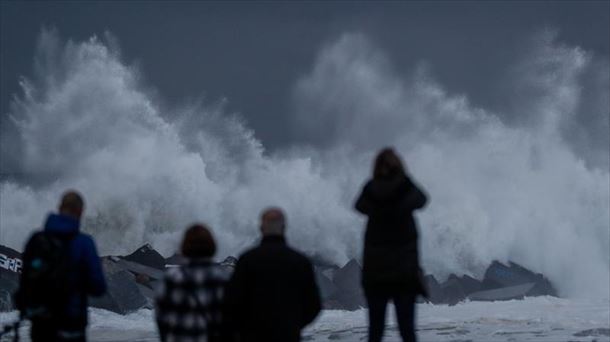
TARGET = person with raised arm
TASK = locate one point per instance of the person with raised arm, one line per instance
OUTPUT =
(391, 269)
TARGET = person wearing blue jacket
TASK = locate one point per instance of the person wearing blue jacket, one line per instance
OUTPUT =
(58, 310)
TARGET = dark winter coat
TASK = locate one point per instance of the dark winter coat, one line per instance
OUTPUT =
(390, 261)
(272, 294)
(85, 276)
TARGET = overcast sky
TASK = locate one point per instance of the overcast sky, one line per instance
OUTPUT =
(253, 53)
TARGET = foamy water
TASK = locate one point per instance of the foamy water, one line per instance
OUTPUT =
(533, 319)
(534, 189)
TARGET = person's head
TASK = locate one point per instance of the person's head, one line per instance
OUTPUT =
(198, 242)
(388, 165)
(72, 204)
(273, 222)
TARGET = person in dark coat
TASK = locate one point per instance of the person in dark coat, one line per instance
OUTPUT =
(189, 300)
(68, 321)
(391, 268)
(273, 293)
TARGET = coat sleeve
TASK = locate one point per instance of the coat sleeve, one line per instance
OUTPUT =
(96, 284)
(414, 199)
(363, 203)
(312, 303)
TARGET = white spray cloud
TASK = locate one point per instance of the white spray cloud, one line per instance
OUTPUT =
(503, 192)
(87, 123)
(498, 190)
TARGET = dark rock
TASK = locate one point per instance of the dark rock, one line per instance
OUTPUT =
(321, 262)
(435, 293)
(175, 260)
(147, 256)
(9, 252)
(503, 293)
(123, 295)
(499, 275)
(349, 289)
(452, 290)
(229, 261)
(142, 279)
(9, 282)
(470, 285)
(138, 269)
(543, 286)
(325, 284)
(10, 267)
(132, 281)
(455, 289)
(6, 301)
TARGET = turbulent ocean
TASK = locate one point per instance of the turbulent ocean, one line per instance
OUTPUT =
(546, 319)
(529, 184)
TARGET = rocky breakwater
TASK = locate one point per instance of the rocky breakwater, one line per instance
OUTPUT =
(132, 280)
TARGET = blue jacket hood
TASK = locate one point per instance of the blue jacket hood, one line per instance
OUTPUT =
(61, 224)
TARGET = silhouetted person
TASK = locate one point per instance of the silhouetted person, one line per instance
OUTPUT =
(61, 268)
(189, 301)
(390, 268)
(273, 294)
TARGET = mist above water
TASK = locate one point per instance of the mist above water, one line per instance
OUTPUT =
(530, 184)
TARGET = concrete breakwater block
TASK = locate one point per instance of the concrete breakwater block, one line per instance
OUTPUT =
(453, 290)
(325, 284)
(10, 268)
(503, 293)
(123, 295)
(147, 256)
(347, 293)
(435, 293)
(132, 280)
(499, 275)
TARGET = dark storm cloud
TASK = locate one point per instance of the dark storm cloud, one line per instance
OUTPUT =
(252, 53)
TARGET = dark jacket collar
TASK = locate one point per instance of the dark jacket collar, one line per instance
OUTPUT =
(61, 224)
(273, 239)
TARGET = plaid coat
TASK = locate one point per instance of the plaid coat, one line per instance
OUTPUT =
(189, 302)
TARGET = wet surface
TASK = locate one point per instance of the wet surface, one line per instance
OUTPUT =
(539, 320)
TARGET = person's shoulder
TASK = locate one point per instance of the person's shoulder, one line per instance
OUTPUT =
(368, 185)
(298, 256)
(251, 253)
(84, 240)
(84, 237)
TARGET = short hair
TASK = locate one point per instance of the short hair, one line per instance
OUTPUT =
(273, 221)
(72, 203)
(198, 242)
(388, 165)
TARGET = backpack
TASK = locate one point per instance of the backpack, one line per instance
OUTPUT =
(45, 285)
